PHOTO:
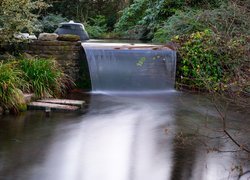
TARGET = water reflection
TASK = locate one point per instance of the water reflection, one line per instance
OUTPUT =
(156, 137)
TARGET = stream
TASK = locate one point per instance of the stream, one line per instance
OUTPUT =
(150, 136)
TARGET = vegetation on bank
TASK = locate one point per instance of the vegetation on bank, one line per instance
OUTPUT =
(212, 37)
(214, 62)
(43, 77)
(11, 86)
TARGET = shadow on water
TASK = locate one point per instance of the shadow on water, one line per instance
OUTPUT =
(171, 136)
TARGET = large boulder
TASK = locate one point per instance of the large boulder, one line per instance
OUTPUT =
(47, 37)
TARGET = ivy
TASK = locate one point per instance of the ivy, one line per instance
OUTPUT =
(200, 65)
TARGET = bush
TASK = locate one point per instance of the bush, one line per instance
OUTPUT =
(179, 24)
(199, 60)
(51, 22)
(11, 85)
(131, 15)
(213, 61)
(46, 79)
(96, 27)
(230, 19)
(17, 16)
(151, 15)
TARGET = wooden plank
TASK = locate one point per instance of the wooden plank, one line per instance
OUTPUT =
(64, 102)
(44, 106)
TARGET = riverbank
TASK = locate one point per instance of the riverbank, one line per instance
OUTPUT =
(43, 77)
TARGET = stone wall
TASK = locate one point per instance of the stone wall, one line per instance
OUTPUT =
(67, 54)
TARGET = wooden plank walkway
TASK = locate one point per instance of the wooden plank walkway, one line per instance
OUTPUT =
(45, 106)
(64, 102)
(56, 104)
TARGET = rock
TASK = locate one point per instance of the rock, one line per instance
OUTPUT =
(47, 37)
(68, 37)
(27, 55)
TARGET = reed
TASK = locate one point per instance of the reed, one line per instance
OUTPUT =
(45, 77)
(11, 86)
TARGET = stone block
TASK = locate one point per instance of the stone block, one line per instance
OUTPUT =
(47, 37)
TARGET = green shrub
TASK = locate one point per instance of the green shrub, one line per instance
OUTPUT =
(152, 14)
(230, 19)
(131, 15)
(51, 22)
(11, 85)
(200, 64)
(96, 27)
(179, 24)
(17, 16)
(45, 77)
(213, 61)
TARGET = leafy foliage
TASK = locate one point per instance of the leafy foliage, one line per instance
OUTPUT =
(50, 22)
(83, 10)
(230, 19)
(199, 60)
(213, 61)
(17, 16)
(151, 14)
(131, 15)
(213, 44)
(96, 27)
(179, 24)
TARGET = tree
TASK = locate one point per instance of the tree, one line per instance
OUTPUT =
(18, 16)
(83, 10)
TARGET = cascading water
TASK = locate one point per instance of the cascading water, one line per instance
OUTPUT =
(130, 68)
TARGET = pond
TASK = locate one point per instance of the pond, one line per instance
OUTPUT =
(164, 136)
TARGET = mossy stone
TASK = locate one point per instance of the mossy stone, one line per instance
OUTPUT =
(68, 37)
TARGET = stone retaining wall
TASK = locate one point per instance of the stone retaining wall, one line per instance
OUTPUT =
(67, 54)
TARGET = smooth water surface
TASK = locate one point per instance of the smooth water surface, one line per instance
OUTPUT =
(171, 136)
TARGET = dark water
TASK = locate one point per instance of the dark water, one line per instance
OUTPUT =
(171, 136)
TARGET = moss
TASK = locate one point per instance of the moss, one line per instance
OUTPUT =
(68, 37)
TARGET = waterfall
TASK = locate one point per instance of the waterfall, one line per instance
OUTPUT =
(130, 68)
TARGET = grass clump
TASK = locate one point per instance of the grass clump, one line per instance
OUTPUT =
(11, 86)
(45, 77)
